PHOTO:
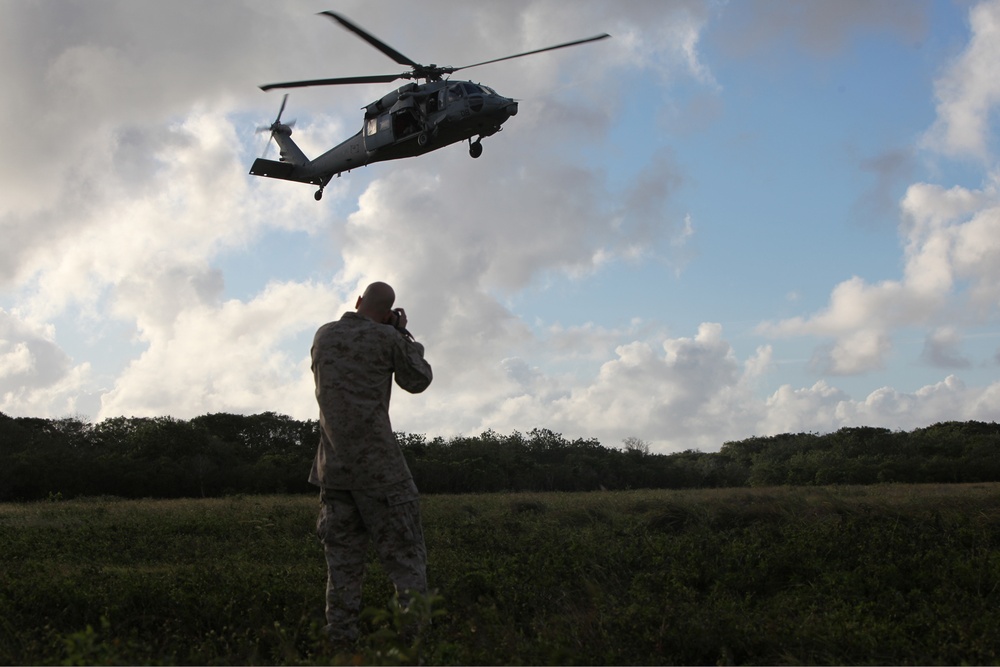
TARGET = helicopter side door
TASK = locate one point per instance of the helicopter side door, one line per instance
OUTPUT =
(405, 119)
(378, 131)
(454, 101)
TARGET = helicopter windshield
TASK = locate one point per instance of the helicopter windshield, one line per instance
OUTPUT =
(458, 90)
(477, 89)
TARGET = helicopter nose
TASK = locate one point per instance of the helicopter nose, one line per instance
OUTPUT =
(512, 108)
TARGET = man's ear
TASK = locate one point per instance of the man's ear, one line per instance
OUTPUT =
(357, 304)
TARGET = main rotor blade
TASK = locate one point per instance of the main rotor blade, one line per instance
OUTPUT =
(379, 78)
(371, 39)
(529, 53)
(284, 100)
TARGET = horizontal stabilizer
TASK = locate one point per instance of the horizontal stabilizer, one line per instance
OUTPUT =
(275, 169)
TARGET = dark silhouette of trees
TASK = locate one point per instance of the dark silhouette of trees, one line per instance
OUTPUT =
(220, 454)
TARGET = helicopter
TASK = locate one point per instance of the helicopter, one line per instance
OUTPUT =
(414, 119)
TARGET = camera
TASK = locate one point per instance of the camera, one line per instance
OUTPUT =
(396, 316)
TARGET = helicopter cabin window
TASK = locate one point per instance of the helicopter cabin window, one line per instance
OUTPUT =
(378, 131)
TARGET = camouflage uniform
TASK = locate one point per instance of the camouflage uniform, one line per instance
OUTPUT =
(367, 489)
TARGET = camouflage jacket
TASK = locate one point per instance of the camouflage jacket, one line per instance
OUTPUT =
(353, 363)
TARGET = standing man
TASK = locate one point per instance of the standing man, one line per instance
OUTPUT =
(367, 490)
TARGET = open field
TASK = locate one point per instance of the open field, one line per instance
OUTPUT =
(848, 575)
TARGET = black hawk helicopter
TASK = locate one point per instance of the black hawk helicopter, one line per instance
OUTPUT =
(412, 120)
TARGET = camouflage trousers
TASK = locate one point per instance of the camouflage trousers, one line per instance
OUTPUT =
(389, 518)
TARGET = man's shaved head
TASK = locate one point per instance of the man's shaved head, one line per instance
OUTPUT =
(377, 301)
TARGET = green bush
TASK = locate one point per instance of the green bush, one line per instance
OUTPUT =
(849, 575)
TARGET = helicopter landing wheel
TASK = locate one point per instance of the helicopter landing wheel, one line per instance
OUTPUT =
(422, 139)
(476, 148)
(318, 195)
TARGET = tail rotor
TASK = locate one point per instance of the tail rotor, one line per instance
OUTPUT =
(277, 125)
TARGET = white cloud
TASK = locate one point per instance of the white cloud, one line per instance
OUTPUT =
(950, 241)
(36, 376)
(815, 409)
(969, 91)
(942, 349)
(691, 393)
(823, 408)
(853, 353)
(947, 400)
(227, 358)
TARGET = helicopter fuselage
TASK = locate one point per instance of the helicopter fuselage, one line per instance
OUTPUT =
(409, 121)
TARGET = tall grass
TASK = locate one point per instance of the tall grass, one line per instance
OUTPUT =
(847, 575)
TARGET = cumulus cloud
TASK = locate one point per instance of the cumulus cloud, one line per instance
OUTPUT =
(950, 242)
(853, 353)
(824, 408)
(669, 387)
(942, 349)
(947, 400)
(226, 357)
(686, 392)
(36, 375)
(969, 91)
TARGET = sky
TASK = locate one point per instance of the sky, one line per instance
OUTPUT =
(731, 219)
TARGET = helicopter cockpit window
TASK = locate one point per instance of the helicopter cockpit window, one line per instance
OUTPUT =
(454, 92)
(472, 89)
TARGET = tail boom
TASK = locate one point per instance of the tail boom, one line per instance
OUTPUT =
(348, 155)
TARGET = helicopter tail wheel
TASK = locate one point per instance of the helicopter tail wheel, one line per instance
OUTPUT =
(318, 195)
(476, 148)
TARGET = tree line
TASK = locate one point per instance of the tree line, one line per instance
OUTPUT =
(226, 454)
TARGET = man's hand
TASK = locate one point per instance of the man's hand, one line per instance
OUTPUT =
(399, 319)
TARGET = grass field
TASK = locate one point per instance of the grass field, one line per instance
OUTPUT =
(845, 575)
